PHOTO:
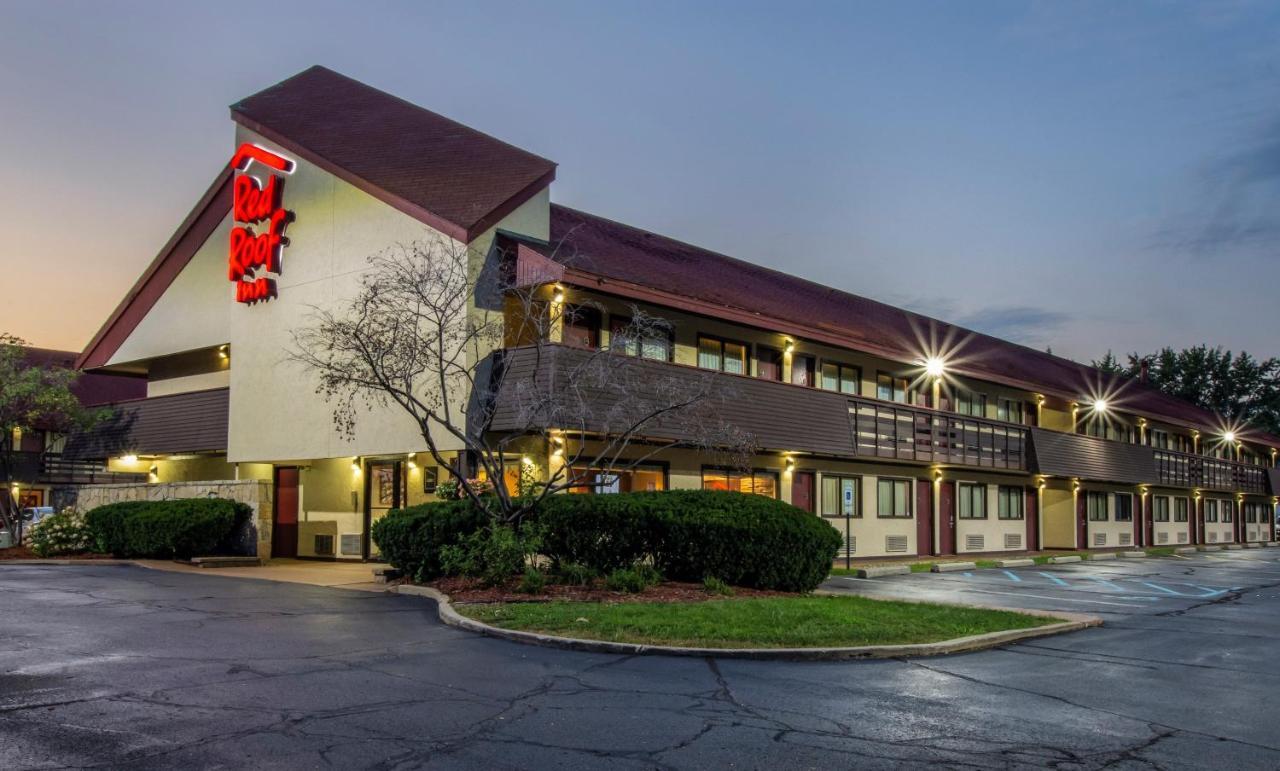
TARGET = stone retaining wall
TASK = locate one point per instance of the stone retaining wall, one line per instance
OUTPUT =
(256, 494)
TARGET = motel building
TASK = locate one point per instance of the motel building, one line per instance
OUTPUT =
(908, 435)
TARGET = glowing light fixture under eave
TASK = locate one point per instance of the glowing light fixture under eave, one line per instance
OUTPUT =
(1230, 436)
(129, 459)
(935, 367)
(1100, 405)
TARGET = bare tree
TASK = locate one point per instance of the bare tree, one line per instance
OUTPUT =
(463, 345)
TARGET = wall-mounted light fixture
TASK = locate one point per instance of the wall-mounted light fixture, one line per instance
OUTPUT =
(153, 474)
(935, 367)
(413, 460)
(224, 352)
(355, 465)
(129, 459)
(790, 462)
(788, 345)
(557, 294)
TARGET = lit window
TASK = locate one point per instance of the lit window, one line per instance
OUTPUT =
(1181, 510)
(1160, 509)
(840, 496)
(1011, 503)
(1096, 506)
(756, 481)
(839, 377)
(893, 498)
(972, 501)
(892, 389)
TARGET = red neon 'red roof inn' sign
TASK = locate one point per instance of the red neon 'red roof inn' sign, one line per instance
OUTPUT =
(257, 238)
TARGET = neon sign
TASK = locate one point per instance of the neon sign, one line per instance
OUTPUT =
(257, 238)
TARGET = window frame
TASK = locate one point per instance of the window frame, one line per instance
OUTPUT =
(1183, 503)
(1001, 493)
(841, 367)
(971, 492)
(731, 473)
(910, 498)
(1127, 515)
(1091, 496)
(1156, 515)
(761, 350)
(908, 392)
(724, 342)
(617, 321)
(811, 368)
(839, 479)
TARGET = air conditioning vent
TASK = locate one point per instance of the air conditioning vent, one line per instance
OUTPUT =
(324, 545)
(1099, 539)
(1182, 537)
(1213, 537)
(1126, 539)
(1013, 540)
(351, 544)
(1162, 538)
(895, 544)
(974, 542)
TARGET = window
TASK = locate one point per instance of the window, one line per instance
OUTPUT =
(893, 498)
(840, 377)
(768, 364)
(1210, 511)
(971, 502)
(600, 481)
(1228, 511)
(892, 389)
(1009, 410)
(1010, 503)
(1124, 507)
(1096, 505)
(840, 496)
(757, 481)
(970, 403)
(1180, 509)
(1161, 510)
(652, 344)
(802, 370)
(581, 327)
(714, 353)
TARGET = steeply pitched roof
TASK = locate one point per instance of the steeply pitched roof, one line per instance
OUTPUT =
(772, 299)
(456, 179)
(91, 388)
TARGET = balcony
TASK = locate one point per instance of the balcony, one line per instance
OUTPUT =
(51, 468)
(1182, 469)
(900, 432)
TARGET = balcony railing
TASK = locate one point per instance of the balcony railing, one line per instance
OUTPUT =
(1181, 469)
(900, 432)
(54, 468)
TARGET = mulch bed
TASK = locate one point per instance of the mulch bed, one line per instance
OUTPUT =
(25, 553)
(470, 590)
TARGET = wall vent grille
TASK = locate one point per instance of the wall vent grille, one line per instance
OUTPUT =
(324, 545)
(975, 542)
(351, 544)
(1099, 539)
(1162, 538)
(1182, 537)
(1126, 539)
(895, 544)
(1013, 540)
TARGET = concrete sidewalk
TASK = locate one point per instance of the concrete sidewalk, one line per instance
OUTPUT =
(340, 575)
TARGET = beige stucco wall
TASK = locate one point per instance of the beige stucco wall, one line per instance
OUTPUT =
(1170, 533)
(1112, 533)
(193, 312)
(992, 530)
(275, 412)
(186, 384)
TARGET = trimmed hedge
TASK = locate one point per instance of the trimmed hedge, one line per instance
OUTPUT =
(410, 539)
(182, 528)
(743, 540)
(690, 535)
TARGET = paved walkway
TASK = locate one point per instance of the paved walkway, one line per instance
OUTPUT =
(344, 575)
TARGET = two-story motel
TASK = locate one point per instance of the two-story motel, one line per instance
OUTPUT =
(909, 435)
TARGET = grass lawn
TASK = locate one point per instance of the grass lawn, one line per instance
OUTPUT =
(789, 622)
(1160, 551)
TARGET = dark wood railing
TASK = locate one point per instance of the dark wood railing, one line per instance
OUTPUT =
(901, 432)
(1183, 469)
(54, 468)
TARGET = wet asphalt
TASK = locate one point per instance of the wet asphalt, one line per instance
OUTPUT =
(118, 666)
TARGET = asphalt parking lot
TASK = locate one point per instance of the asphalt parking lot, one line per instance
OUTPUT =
(122, 666)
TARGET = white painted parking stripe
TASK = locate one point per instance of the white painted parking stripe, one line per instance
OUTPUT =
(1010, 594)
(1013, 576)
(1054, 578)
(1161, 588)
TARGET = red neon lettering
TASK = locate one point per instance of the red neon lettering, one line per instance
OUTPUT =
(250, 152)
(254, 254)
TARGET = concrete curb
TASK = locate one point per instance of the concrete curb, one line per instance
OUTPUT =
(1016, 563)
(1253, 546)
(1234, 547)
(1064, 560)
(1187, 550)
(1271, 544)
(1070, 622)
(886, 570)
(952, 567)
(1106, 555)
(1208, 548)
(1133, 555)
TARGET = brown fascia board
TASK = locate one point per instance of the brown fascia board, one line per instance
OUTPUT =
(588, 280)
(199, 224)
(455, 231)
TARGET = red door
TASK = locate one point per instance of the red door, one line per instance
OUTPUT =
(1033, 519)
(947, 517)
(284, 515)
(1149, 522)
(1137, 520)
(1197, 521)
(924, 517)
(1082, 524)
(802, 490)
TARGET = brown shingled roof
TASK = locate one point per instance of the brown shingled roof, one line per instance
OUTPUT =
(452, 177)
(612, 251)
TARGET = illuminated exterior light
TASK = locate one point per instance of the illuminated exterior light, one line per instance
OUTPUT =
(789, 346)
(355, 465)
(413, 460)
(526, 460)
(223, 352)
(1229, 437)
(558, 295)
(1100, 405)
(935, 367)
(129, 459)
(791, 463)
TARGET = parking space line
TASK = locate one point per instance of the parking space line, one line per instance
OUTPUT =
(1013, 576)
(1158, 587)
(1053, 578)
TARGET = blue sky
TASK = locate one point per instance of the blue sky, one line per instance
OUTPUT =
(1081, 175)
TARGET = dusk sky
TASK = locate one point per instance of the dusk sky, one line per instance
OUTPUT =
(1081, 175)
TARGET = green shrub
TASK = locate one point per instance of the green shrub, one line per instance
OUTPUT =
(631, 580)
(63, 533)
(714, 585)
(411, 539)
(494, 555)
(743, 540)
(573, 574)
(533, 581)
(182, 528)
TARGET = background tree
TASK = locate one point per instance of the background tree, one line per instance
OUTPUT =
(1238, 386)
(32, 398)
(425, 333)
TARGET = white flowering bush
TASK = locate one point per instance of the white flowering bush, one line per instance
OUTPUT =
(61, 533)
